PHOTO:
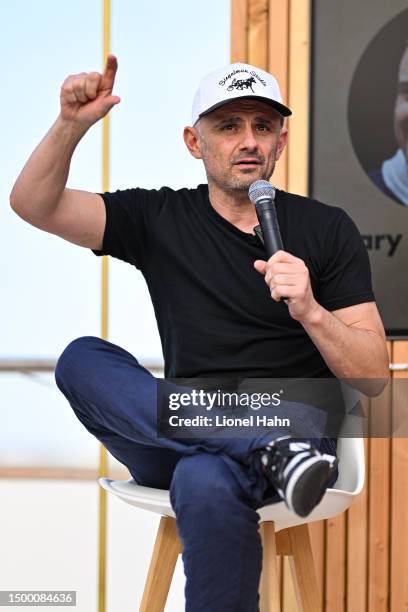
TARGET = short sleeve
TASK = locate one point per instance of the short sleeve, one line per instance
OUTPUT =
(346, 275)
(129, 218)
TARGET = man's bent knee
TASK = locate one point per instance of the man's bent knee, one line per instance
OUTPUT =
(72, 357)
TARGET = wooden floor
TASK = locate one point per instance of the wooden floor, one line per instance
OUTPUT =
(52, 473)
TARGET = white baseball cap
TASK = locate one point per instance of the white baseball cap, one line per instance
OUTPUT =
(236, 81)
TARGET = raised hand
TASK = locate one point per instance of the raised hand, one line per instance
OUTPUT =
(87, 97)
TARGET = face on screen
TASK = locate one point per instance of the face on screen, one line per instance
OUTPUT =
(401, 106)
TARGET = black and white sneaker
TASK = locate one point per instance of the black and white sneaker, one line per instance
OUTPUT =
(298, 471)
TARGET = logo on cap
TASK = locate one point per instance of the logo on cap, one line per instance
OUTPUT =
(241, 84)
(241, 81)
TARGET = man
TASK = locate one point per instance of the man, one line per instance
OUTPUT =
(219, 312)
(392, 177)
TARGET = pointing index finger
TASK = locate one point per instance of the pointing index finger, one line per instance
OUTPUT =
(108, 76)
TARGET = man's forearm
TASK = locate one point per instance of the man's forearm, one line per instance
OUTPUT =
(349, 352)
(42, 181)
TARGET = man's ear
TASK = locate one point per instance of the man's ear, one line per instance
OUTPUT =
(282, 140)
(191, 138)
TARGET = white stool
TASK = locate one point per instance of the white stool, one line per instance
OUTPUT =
(282, 533)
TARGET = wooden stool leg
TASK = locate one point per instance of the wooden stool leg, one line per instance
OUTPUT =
(303, 570)
(164, 558)
(270, 583)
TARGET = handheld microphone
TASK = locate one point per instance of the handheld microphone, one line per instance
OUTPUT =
(262, 195)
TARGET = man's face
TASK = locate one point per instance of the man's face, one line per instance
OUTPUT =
(239, 143)
(401, 106)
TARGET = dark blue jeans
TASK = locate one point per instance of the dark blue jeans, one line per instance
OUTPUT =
(215, 483)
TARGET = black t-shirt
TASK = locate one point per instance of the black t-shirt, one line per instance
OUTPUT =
(214, 311)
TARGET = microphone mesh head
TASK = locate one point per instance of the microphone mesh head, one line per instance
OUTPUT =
(261, 189)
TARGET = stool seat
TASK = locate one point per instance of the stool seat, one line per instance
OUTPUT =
(336, 500)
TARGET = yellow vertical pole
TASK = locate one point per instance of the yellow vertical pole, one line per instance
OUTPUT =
(103, 458)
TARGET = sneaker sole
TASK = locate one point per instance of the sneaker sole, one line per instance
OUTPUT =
(306, 487)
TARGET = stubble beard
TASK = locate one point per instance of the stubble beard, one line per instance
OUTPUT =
(239, 184)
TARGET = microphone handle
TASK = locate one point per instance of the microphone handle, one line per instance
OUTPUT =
(268, 220)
